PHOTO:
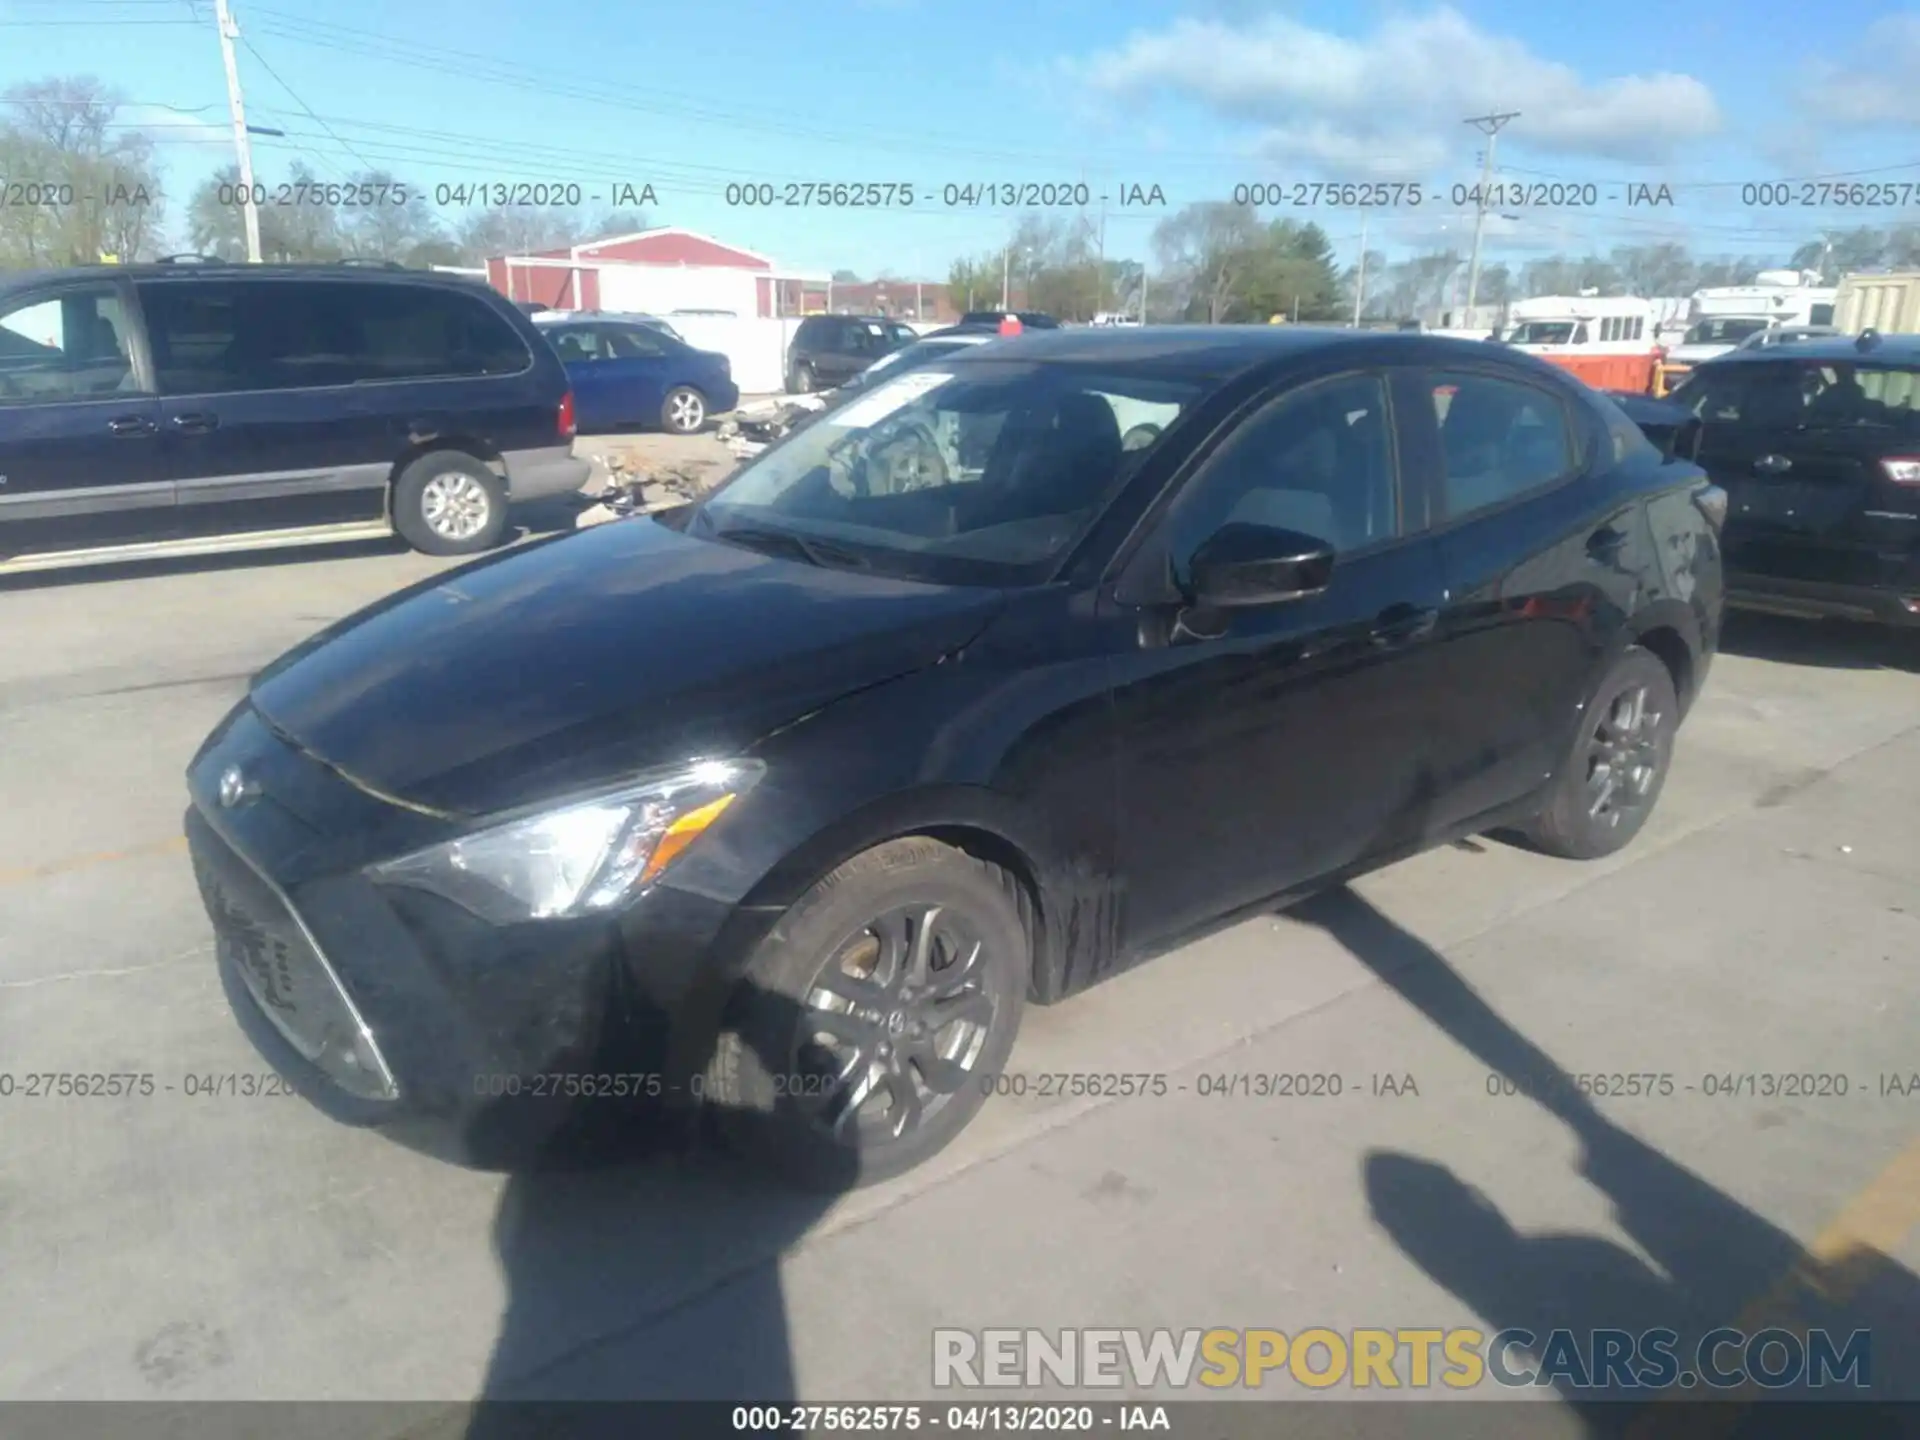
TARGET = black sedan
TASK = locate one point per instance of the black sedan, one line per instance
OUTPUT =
(788, 802)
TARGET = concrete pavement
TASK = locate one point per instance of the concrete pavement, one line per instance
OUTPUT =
(1768, 922)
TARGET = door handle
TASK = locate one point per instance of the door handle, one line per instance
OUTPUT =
(1772, 465)
(1399, 624)
(195, 424)
(130, 425)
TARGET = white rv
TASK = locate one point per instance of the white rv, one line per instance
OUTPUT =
(1723, 316)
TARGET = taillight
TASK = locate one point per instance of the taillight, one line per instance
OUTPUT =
(1712, 501)
(1902, 469)
(566, 416)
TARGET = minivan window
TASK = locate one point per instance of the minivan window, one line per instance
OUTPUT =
(70, 346)
(214, 337)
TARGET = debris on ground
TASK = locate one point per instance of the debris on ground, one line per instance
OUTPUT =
(632, 492)
(752, 429)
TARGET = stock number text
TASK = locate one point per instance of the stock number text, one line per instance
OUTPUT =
(1306, 194)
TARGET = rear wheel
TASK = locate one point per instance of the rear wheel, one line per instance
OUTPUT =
(874, 1016)
(449, 503)
(803, 380)
(1609, 785)
(684, 411)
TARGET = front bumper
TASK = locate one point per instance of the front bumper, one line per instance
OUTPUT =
(537, 474)
(395, 1009)
(1818, 600)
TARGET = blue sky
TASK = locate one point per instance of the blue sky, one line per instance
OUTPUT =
(1193, 98)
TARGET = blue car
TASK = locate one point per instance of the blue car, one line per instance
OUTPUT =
(627, 373)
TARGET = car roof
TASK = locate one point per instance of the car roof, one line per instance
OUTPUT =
(1212, 352)
(1883, 350)
(157, 270)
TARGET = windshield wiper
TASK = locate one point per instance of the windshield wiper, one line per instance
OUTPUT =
(823, 553)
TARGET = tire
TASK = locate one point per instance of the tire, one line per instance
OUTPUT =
(448, 503)
(684, 412)
(775, 1097)
(1637, 755)
(802, 380)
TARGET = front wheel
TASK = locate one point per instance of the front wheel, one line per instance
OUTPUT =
(803, 380)
(684, 411)
(874, 1017)
(1608, 786)
(449, 503)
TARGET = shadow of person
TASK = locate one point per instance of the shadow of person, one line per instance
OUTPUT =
(1705, 1260)
(642, 1262)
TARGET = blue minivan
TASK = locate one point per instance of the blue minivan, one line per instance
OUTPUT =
(172, 409)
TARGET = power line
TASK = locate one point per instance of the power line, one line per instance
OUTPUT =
(251, 50)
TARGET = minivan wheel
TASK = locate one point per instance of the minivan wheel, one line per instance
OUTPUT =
(685, 410)
(448, 503)
(803, 380)
(873, 1019)
(1609, 785)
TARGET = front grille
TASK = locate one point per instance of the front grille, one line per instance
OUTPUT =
(259, 937)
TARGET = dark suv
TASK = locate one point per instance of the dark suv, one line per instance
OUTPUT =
(828, 349)
(164, 410)
(1818, 449)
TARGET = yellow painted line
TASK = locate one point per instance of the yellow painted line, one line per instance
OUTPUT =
(23, 874)
(1843, 1257)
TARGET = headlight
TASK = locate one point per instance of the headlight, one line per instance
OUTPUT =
(578, 857)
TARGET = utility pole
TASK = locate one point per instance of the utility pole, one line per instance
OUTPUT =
(229, 32)
(1006, 278)
(1490, 126)
(1360, 282)
(1100, 299)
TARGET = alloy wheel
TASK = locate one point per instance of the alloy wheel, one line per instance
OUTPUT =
(685, 413)
(894, 1024)
(1623, 757)
(455, 506)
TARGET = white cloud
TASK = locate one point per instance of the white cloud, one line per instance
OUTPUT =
(1875, 85)
(175, 127)
(1393, 101)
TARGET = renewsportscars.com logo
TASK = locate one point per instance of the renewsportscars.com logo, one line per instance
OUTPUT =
(1320, 1358)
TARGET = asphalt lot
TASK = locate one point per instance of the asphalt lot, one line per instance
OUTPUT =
(1768, 922)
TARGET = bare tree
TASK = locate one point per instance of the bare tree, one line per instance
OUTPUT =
(92, 191)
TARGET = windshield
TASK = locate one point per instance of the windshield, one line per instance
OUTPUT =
(1542, 332)
(1723, 332)
(985, 474)
(901, 361)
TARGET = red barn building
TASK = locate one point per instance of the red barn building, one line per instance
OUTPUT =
(658, 272)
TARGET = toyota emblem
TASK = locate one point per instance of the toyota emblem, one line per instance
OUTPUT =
(235, 788)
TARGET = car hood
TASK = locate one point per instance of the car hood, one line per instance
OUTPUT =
(568, 662)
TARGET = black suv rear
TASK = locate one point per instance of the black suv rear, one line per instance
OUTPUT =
(1818, 449)
(164, 410)
(828, 349)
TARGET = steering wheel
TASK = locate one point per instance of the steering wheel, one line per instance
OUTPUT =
(910, 461)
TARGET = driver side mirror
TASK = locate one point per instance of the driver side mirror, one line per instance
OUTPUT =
(1241, 565)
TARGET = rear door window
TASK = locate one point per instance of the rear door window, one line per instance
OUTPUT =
(1501, 439)
(634, 342)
